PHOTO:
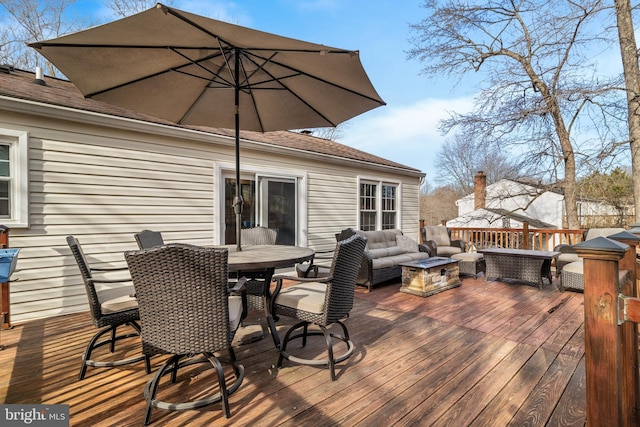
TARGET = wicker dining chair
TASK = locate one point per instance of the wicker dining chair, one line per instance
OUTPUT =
(321, 302)
(258, 236)
(186, 310)
(112, 305)
(318, 267)
(257, 279)
(149, 239)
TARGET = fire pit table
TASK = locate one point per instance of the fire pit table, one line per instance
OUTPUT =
(520, 264)
(429, 276)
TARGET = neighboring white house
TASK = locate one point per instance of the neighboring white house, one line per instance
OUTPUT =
(507, 204)
(73, 166)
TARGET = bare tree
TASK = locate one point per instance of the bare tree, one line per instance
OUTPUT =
(629, 53)
(123, 8)
(30, 20)
(540, 82)
(333, 134)
(462, 156)
(439, 204)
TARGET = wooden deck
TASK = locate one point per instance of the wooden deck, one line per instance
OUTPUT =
(485, 354)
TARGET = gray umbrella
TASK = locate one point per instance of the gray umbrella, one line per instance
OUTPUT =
(194, 70)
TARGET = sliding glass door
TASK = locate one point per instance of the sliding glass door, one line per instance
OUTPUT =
(268, 201)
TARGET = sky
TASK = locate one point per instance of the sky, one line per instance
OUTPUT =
(405, 130)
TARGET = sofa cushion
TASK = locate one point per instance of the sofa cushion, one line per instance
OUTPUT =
(380, 238)
(407, 244)
(385, 252)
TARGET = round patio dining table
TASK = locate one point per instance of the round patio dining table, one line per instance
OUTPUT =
(258, 257)
(266, 258)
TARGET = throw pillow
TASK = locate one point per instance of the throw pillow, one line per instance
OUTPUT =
(407, 244)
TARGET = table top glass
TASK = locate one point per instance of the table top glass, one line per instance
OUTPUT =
(428, 262)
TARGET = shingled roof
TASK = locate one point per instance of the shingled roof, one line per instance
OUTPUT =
(20, 84)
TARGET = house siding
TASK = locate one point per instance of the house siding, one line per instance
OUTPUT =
(102, 184)
(101, 188)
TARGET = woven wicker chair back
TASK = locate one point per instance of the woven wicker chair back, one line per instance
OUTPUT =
(258, 236)
(182, 298)
(85, 272)
(149, 239)
(344, 269)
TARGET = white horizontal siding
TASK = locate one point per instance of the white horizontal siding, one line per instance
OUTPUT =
(102, 195)
(410, 209)
(103, 185)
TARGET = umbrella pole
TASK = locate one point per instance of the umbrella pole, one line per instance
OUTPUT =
(238, 202)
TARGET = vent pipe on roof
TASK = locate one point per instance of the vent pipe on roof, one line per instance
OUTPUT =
(39, 80)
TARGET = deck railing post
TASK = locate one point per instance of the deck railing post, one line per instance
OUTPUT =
(631, 393)
(525, 235)
(603, 336)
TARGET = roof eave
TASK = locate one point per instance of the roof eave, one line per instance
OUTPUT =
(26, 106)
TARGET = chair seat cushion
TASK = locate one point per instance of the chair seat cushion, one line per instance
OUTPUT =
(448, 251)
(468, 256)
(235, 312)
(118, 304)
(305, 296)
(574, 267)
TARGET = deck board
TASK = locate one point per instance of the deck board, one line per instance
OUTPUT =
(485, 353)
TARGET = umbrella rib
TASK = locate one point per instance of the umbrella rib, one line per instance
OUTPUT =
(301, 72)
(279, 81)
(247, 52)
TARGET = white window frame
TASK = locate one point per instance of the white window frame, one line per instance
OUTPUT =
(19, 171)
(379, 184)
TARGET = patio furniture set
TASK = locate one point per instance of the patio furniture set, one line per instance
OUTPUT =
(180, 300)
(173, 281)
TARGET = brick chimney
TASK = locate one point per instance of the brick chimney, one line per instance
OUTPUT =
(480, 190)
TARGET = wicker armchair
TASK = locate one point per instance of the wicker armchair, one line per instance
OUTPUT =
(148, 239)
(322, 302)
(437, 239)
(186, 310)
(569, 255)
(111, 304)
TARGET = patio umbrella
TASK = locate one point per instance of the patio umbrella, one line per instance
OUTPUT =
(194, 70)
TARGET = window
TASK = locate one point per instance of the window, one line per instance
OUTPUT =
(378, 209)
(13, 178)
(368, 206)
(388, 207)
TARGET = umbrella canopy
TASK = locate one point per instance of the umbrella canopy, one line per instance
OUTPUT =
(194, 70)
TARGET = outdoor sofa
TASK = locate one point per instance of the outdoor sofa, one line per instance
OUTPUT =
(385, 251)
